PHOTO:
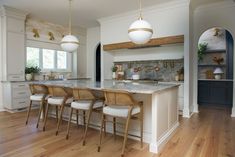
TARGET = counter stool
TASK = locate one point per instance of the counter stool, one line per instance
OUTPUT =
(38, 94)
(59, 97)
(120, 104)
(85, 100)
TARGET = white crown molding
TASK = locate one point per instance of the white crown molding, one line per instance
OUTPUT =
(146, 10)
(216, 5)
(12, 12)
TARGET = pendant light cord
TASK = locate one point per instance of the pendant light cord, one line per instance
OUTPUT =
(140, 9)
(70, 18)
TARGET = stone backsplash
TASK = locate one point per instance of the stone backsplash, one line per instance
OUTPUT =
(164, 70)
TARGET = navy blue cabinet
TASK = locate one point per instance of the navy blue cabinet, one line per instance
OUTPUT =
(215, 92)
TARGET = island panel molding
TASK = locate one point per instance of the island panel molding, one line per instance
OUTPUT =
(179, 39)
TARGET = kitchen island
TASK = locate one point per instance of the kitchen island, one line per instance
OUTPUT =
(160, 107)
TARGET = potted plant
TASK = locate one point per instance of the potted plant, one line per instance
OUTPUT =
(30, 71)
(114, 70)
(202, 47)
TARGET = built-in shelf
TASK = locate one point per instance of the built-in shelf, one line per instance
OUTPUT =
(155, 42)
(211, 65)
(216, 51)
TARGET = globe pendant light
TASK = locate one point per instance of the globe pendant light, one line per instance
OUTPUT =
(140, 31)
(69, 43)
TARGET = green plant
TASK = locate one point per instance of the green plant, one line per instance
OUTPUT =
(114, 68)
(32, 70)
(202, 47)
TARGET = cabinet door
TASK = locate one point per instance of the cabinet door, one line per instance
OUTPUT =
(15, 55)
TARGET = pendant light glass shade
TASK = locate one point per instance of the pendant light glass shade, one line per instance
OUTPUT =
(69, 43)
(140, 31)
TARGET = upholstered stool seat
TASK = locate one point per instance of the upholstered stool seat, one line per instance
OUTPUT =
(85, 104)
(120, 111)
(59, 100)
(37, 97)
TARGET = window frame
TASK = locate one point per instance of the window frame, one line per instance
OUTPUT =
(55, 69)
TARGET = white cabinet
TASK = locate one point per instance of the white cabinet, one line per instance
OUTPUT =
(181, 97)
(12, 44)
(16, 95)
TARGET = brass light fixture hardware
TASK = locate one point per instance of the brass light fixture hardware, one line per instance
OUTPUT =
(51, 36)
(36, 34)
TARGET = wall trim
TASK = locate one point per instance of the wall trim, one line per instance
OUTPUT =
(215, 6)
(146, 10)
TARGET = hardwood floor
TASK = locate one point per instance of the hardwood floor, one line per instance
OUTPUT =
(211, 133)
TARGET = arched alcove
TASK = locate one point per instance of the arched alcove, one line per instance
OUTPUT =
(215, 68)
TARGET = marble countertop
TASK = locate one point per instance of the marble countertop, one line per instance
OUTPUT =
(132, 87)
(215, 80)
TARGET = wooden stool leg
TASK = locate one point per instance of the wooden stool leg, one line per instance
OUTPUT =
(60, 119)
(141, 127)
(87, 124)
(70, 117)
(29, 109)
(56, 113)
(77, 117)
(114, 127)
(125, 134)
(39, 114)
(104, 126)
(46, 114)
(84, 118)
(101, 131)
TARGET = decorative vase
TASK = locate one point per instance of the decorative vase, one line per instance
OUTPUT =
(114, 75)
(217, 76)
(135, 76)
(29, 77)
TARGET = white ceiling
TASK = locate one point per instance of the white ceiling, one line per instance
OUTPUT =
(85, 12)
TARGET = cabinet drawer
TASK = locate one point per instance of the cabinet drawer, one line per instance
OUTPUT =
(20, 103)
(18, 77)
(20, 93)
(20, 86)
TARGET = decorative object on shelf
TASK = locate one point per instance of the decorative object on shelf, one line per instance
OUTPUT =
(140, 31)
(218, 73)
(36, 34)
(180, 75)
(30, 71)
(218, 60)
(217, 32)
(51, 36)
(114, 70)
(136, 75)
(209, 74)
(202, 47)
(69, 43)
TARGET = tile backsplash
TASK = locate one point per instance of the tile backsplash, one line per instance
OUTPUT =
(165, 70)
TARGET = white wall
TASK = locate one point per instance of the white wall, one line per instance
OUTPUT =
(215, 15)
(93, 39)
(167, 19)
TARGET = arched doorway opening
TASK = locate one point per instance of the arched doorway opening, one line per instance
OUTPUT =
(215, 68)
(98, 63)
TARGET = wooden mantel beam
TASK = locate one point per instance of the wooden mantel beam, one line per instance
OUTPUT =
(155, 42)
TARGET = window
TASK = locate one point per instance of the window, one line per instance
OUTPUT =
(48, 59)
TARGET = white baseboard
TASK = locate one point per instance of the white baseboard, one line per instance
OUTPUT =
(233, 112)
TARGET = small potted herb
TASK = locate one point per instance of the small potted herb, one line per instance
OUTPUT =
(114, 70)
(30, 71)
(202, 47)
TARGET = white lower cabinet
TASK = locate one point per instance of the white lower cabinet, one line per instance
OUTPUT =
(181, 97)
(15, 95)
